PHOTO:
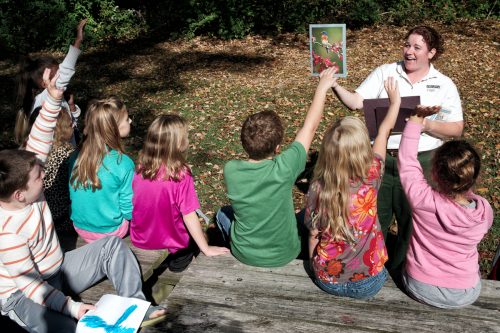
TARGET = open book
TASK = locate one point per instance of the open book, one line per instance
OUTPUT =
(114, 314)
(376, 109)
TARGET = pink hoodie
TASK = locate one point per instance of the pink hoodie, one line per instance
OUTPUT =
(443, 244)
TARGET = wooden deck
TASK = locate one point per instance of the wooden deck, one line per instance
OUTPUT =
(219, 294)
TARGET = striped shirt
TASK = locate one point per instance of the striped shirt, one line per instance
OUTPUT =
(29, 249)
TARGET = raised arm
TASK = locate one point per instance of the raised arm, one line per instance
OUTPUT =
(67, 67)
(79, 33)
(42, 131)
(306, 134)
(194, 228)
(380, 143)
(411, 173)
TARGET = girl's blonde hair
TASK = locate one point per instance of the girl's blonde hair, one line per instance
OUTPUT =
(100, 135)
(164, 149)
(345, 156)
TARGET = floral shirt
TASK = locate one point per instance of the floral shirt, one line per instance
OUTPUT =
(341, 261)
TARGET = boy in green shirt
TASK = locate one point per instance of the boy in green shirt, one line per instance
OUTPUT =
(260, 222)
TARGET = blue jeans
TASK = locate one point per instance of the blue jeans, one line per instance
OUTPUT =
(224, 219)
(361, 289)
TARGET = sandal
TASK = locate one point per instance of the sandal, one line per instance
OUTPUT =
(153, 321)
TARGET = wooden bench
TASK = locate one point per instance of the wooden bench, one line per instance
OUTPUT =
(149, 260)
(219, 294)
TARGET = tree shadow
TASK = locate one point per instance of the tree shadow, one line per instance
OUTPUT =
(141, 67)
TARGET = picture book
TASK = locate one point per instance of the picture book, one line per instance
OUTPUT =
(376, 109)
(327, 43)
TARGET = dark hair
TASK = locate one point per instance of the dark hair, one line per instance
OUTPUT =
(15, 166)
(261, 133)
(27, 80)
(431, 37)
(455, 166)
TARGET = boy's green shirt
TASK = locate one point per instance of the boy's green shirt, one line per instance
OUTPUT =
(264, 232)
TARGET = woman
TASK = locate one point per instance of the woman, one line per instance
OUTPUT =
(416, 76)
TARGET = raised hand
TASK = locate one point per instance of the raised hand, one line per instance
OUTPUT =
(392, 89)
(425, 111)
(326, 78)
(79, 33)
(50, 83)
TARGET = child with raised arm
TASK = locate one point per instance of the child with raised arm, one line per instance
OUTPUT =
(31, 90)
(346, 246)
(263, 230)
(35, 276)
(165, 200)
(449, 221)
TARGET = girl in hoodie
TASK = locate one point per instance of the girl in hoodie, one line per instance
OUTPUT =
(442, 267)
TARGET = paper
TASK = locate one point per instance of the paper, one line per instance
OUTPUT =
(114, 314)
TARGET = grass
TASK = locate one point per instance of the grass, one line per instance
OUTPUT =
(215, 84)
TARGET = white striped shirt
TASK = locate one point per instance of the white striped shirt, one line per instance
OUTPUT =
(29, 249)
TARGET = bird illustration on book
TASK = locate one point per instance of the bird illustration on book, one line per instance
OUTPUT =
(324, 41)
(98, 322)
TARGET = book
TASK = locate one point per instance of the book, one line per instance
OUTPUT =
(327, 48)
(376, 109)
(114, 314)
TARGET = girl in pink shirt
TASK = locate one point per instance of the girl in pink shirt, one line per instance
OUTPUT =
(165, 201)
(448, 222)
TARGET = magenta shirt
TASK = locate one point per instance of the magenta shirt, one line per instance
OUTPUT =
(158, 209)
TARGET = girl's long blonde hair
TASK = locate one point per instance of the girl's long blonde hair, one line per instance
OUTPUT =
(164, 149)
(100, 135)
(345, 156)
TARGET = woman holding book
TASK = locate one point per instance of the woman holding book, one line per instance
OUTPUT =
(416, 76)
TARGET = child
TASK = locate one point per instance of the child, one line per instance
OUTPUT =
(448, 222)
(165, 201)
(346, 246)
(55, 183)
(101, 176)
(34, 274)
(264, 231)
(31, 89)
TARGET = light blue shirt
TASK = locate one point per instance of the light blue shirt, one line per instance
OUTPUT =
(103, 210)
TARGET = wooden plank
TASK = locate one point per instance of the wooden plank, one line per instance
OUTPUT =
(219, 294)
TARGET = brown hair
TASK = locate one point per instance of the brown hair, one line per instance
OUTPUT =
(100, 135)
(164, 149)
(431, 37)
(28, 82)
(64, 129)
(15, 166)
(345, 155)
(455, 167)
(261, 133)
